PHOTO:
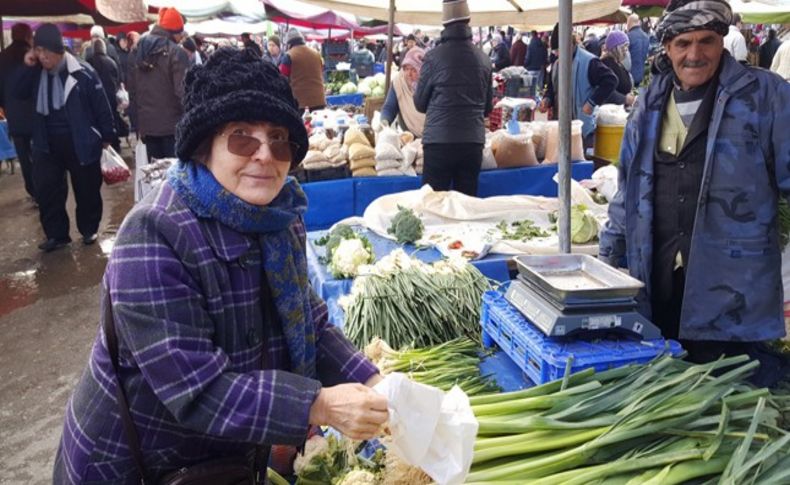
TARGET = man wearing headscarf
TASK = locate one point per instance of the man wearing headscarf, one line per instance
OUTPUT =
(705, 159)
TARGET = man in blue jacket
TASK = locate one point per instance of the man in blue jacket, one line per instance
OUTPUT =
(73, 122)
(705, 159)
(638, 47)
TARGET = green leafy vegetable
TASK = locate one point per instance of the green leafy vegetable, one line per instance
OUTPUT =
(523, 230)
(406, 226)
(584, 226)
(333, 238)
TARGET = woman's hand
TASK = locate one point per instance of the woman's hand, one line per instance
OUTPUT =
(355, 410)
(31, 59)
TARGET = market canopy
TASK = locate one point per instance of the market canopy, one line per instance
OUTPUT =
(484, 12)
(763, 11)
(318, 18)
(252, 9)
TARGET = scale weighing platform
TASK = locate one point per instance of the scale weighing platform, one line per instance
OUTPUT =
(569, 293)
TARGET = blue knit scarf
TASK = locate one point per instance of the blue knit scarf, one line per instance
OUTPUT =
(284, 260)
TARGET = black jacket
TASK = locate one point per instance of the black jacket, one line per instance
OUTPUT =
(537, 55)
(18, 111)
(500, 56)
(107, 70)
(454, 90)
(768, 51)
(624, 82)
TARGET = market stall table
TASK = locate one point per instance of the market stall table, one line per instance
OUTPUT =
(330, 289)
(334, 200)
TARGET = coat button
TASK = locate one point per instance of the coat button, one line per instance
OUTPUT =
(253, 338)
(682, 199)
(245, 260)
(682, 165)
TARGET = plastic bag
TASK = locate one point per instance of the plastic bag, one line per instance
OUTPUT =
(122, 96)
(113, 168)
(512, 151)
(430, 429)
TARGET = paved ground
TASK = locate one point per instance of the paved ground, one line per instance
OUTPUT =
(49, 311)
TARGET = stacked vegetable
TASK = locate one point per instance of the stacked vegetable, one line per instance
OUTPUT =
(373, 86)
(456, 362)
(663, 423)
(346, 251)
(407, 302)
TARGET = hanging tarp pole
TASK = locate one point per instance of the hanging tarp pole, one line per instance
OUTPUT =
(2, 35)
(565, 106)
(390, 45)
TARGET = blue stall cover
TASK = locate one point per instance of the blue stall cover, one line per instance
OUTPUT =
(334, 200)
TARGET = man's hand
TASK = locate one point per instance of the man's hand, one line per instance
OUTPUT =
(587, 109)
(31, 59)
(355, 410)
(630, 99)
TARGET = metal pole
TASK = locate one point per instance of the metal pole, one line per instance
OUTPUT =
(390, 37)
(2, 35)
(565, 99)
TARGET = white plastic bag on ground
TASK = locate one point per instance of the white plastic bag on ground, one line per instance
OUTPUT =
(430, 429)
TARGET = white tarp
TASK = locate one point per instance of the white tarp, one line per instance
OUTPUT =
(209, 8)
(484, 12)
(221, 27)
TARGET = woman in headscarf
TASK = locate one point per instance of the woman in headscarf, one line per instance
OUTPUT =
(618, 59)
(400, 98)
(209, 324)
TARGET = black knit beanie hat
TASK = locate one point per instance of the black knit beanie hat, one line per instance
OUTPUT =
(48, 36)
(235, 85)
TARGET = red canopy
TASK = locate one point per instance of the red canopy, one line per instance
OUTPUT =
(645, 3)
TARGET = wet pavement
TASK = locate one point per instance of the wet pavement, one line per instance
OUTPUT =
(49, 307)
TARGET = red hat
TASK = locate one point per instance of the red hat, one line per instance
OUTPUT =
(170, 19)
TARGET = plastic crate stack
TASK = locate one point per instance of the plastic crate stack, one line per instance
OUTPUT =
(544, 359)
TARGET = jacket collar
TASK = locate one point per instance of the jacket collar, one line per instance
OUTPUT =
(733, 77)
(457, 31)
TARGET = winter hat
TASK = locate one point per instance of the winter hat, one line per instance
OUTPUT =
(48, 36)
(293, 36)
(171, 20)
(455, 11)
(615, 39)
(234, 85)
(97, 31)
(414, 58)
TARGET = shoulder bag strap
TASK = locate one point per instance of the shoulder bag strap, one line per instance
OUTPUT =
(132, 438)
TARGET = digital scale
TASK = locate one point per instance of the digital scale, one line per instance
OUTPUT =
(570, 293)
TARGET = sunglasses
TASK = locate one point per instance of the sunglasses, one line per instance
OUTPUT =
(247, 145)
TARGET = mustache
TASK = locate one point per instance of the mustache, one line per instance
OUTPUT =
(693, 64)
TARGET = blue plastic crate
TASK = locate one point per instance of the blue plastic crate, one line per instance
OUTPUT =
(543, 359)
(356, 99)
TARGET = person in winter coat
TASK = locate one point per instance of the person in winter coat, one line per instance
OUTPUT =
(781, 62)
(223, 347)
(157, 67)
(593, 45)
(705, 158)
(400, 98)
(638, 48)
(246, 39)
(273, 52)
(304, 69)
(500, 56)
(535, 62)
(455, 93)
(768, 49)
(735, 42)
(19, 112)
(97, 32)
(592, 84)
(615, 58)
(73, 122)
(518, 51)
(362, 60)
(107, 71)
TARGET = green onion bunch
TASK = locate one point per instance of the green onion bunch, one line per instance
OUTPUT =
(409, 303)
(456, 362)
(666, 422)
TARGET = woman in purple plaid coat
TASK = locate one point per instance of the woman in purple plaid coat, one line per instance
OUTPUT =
(223, 346)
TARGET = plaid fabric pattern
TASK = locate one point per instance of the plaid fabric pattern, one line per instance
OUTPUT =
(195, 322)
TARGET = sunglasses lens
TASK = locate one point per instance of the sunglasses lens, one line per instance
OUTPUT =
(283, 151)
(243, 145)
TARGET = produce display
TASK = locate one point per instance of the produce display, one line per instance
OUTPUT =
(584, 225)
(410, 303)
(523, 230)
(663, 423)
(406, 226)
(373, 86)
(452, 363)
(346, 251)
